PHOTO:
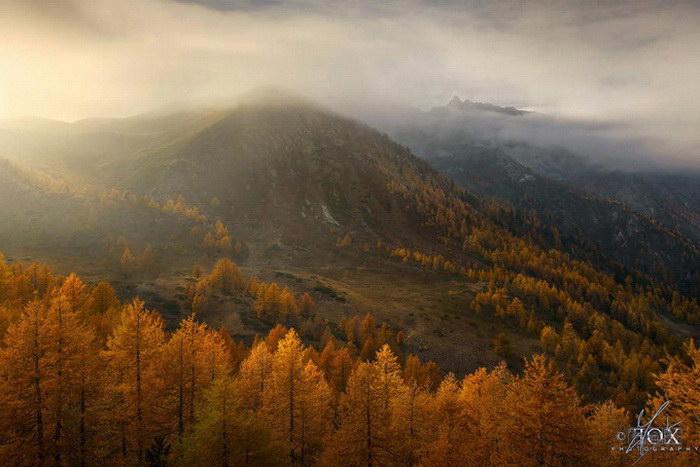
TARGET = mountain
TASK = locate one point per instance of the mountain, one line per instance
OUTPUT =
(30, 216)
(467, 105)
(289, 182)
(283, 177)
(317, 203)
(44, 220)
(641, 220)
(673, 198)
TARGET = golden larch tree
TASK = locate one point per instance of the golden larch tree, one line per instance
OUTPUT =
(254, 376)
(544, 422)
(226, 276)
(366, 435)
(296, 402)
(24, 374)
(132, 357)
(226, 433)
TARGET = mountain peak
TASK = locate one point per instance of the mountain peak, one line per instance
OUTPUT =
(456, 104)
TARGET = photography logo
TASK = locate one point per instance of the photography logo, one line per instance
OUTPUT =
(651, 436)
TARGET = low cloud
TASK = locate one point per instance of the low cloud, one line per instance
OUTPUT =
(627, 68)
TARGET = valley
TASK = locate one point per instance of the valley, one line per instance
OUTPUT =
(312, 201)
(405, 233)
(266, 217)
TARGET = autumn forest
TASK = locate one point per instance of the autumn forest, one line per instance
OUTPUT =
(363, 269)
(90, 380)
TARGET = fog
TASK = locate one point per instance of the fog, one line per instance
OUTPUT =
(620, 71)
(589, 145)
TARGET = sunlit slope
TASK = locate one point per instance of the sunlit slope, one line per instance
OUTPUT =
(77, 151)
(285, 175)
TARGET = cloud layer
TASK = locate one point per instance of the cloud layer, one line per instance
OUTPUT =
(634, 64)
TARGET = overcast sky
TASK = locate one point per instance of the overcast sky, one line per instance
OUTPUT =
(635, 63)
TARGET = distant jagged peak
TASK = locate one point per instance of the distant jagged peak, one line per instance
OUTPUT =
(455, 103)
(468, 105)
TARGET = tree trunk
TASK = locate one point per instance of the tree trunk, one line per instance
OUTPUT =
(82, 422)
(291, 410)
(58, 427)
(181, 395)
(38, 399)
(139, 409)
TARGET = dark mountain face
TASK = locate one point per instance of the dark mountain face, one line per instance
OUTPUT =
(587, 221)
(634, 219)
(671, 198)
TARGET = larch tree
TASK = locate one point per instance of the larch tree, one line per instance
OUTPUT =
(74, 293)
(390, 380)
(296, 402)
(366, 433)
(314, 408)
(254, 376)
(680, 384)
(68, 342)
(40, 278)
(481, 399)
(226, 276)
(226, 433)
(201, 299)
(325, 358)
(450, 425)
(342, 367)
(50, 374)
(146, 260)
(102, 298)
(192, 359)
(411, 423)
(23, 372)
(275, 335)
(306, 305)
(544, 422)
(357, 440)
(127, 261)
(183, 373)
(134, 389)
(606, 421)
(88, 383)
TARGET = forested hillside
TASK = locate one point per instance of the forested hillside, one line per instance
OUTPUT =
(89, 380)
(641, 216)
(268, 217)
